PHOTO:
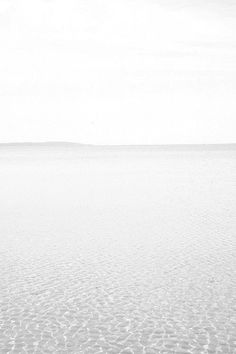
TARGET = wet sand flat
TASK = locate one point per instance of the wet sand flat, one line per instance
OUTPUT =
(116, 251)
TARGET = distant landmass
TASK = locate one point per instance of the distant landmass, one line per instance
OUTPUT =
(74, 145)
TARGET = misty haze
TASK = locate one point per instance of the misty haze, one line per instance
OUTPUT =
(118, 177)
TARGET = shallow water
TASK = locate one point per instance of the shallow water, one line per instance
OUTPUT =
(115, 254)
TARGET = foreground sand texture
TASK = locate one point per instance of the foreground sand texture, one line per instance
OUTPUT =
(115, 252)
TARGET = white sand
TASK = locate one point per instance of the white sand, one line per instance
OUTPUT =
(117, 251)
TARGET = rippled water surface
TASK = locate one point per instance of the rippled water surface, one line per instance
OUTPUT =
(131, 253)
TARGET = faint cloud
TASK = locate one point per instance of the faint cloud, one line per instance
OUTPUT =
(211, 44)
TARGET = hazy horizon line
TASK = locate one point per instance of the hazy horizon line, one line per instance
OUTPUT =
(77, 144)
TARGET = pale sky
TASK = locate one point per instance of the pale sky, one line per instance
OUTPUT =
(118, 72)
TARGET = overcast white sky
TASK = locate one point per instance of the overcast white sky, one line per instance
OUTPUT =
(118, 72)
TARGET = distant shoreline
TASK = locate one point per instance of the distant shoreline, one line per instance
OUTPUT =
(77, 146)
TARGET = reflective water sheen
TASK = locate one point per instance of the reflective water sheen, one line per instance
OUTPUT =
(117, 254)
